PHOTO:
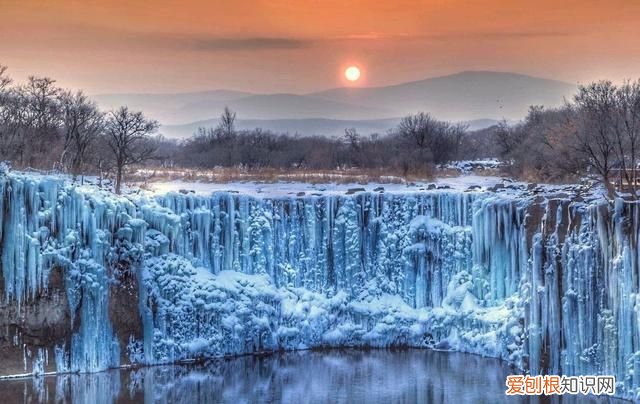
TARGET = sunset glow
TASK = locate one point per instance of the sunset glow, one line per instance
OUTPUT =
(352, 73)
(301, 46)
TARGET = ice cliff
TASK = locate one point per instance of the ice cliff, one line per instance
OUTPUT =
(546, 281)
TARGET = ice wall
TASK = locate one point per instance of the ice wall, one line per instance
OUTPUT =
(582, 292)
(46, 226)
(292, 273)
(549, 283)
(324, 244)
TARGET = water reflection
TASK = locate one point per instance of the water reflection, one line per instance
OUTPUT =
(338, 376)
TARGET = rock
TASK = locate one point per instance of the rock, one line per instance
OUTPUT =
(352, 191)
(443, 345)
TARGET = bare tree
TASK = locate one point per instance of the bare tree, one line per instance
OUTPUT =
(100, 156)
(506, 138)
(128, 138)
(226, 126)
(596, 137)
(38, 117)
(82, 123)
(441, 139)
(6, 114)
(627, 128)
(5, 80)
(41, 93)
(11, 116)
(420, 129)
(454, 138)
(353, 138)
(531, 146)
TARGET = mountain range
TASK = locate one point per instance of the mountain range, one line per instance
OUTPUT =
(471, 96)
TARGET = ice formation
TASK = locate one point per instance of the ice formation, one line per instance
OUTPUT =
(547, 283)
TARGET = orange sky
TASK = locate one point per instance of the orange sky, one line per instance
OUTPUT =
(301, 45)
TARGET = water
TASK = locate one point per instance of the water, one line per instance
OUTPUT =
(336, 376)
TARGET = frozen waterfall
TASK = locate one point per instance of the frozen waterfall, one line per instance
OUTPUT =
(548, 283)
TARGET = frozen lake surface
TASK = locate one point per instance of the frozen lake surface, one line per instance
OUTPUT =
(336, 376)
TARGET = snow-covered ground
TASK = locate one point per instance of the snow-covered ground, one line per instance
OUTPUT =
(462, 183)
(467, 166)
(280, 189)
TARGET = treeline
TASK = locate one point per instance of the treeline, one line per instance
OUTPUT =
(46, 127)
(418, 143)
(596, 133)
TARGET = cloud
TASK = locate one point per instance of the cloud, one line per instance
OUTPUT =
(213, 44)
(94, 35)
(209, 43)
(447, 36)
(498, 35)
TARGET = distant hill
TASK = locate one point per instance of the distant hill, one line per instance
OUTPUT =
(463, 96)
(307, 127)
(283, 106)
(166, 107)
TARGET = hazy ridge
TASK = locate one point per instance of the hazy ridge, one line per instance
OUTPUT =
(468, 96)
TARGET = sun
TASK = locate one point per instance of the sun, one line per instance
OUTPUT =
(352, 73)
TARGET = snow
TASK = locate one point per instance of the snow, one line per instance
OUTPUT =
(287, 189)
(205, 314)
(500, 270)
(466, 166)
